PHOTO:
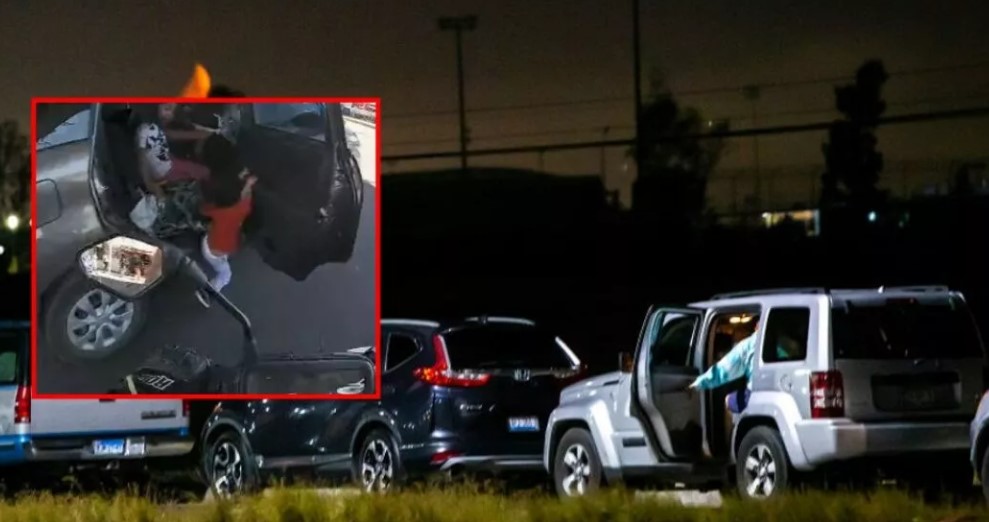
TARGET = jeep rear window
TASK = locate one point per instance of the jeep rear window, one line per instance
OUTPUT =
(13, 345)
(905, 330)
(496, 346)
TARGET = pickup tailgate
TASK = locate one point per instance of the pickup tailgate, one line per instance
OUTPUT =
(85, 417)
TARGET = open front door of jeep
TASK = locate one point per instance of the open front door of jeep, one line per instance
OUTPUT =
(307, 203)
(670, 415)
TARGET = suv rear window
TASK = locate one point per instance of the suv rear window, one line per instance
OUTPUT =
(505, 346)
(905, 330)
(13, 345)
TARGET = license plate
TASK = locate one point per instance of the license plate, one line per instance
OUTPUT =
(523, 424)
(109, 447)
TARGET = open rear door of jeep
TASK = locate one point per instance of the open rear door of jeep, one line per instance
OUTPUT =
(307, 203)
(670, 416)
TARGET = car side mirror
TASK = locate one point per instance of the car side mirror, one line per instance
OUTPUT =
(626, 362)
(123, 265)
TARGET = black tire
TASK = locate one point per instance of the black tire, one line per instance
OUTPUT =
(357, 180)
(220, 466)
(72, 289)
(377, 465)
(768, 473)
(576, 464)
(984, 475)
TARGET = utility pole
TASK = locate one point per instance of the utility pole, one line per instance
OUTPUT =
(458, 25)
(752, 93)
(637, 78)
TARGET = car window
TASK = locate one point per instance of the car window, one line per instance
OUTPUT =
(905, 329)
(498, 346)
(786, 337)
(303, 119)
(76, 128)
(671, 337)
(12, 347)
(401, 348)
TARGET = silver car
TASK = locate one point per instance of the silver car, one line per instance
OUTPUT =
(858, 381)
(979, 435)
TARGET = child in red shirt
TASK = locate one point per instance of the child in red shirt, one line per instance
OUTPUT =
(227, 200)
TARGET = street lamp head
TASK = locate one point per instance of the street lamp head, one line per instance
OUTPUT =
(12, 222)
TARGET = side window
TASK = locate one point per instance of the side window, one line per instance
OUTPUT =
(76, 128)
(671, 337)
(8, 368)
(400, 348)
(786, 335)
(303, 119)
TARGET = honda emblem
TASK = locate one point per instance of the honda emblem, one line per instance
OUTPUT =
(522, 375)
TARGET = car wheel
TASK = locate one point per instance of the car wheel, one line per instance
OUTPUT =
(576, 465)
(985, 476)
(228, 469)
(376, 464)
(86, 322)
(763, 468)
(357, 180)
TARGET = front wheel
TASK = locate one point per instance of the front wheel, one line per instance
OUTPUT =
(763, 468)
(576, 465)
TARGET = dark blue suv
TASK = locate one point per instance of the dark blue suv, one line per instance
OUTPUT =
(469, 395)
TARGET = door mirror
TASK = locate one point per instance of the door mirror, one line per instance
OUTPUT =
(626, 362)
(124, 266)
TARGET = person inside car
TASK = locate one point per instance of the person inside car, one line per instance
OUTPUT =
(734, 365)
(227, 200)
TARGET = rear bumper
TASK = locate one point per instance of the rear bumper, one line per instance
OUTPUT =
(494, 463)
(26, 448)
(447, 457)
(825, 441)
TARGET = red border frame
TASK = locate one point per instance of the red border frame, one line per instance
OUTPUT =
(249, 99)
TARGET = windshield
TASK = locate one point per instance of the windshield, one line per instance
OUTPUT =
(13, 346)
(506, 346)
(905, 329)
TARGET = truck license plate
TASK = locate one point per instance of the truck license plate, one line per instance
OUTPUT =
(108, 447)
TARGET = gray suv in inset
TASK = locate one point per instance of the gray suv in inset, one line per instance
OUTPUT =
(873, 380)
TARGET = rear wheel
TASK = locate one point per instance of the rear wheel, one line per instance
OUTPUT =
(985, 475)
(763, 468)
(576, 465)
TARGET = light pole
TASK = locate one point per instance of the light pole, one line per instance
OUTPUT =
(458, 25)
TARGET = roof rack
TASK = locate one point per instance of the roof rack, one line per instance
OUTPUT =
(922, 288)
(770, 291)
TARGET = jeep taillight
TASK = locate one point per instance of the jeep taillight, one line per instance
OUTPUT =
(827, 395)
(22, 405)
(440, 374)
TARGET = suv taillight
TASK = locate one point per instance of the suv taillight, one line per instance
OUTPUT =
(827, 395)
(186, 406)
(440, 374)
(22, 405)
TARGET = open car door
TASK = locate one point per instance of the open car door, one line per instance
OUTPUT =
(307, 202)
(670, 415)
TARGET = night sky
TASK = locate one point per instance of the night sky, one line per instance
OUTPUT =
(522, 53)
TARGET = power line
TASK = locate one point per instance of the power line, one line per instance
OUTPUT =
(783, 129)
(589, 130)
(686, 93)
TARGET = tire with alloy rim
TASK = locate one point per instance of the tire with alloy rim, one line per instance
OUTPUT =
(984, 475)
(576, 465)
(376, 464)
(763, 467)
(85, 322)
(228, 469)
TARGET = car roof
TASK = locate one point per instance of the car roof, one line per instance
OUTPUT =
(427, 324)
(774, 296)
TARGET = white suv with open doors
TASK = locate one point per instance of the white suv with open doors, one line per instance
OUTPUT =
(876, 380)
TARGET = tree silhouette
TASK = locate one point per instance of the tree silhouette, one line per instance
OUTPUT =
(673, 176)
(14, 169)
(852, 162)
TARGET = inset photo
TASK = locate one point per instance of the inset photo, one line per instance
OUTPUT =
(206, 248)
